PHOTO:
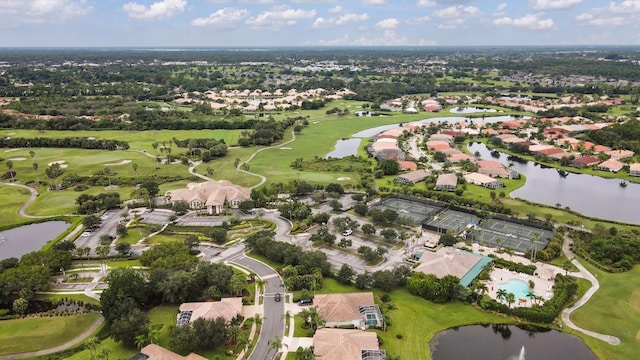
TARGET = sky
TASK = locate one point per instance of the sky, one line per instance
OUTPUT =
(272, 23)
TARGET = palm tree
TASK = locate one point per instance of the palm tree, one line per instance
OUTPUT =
(243, 341)
(154, 145)
(261, 284)
(511, 298)
(482, 288)
(35, 168)
(141, 341)
(233, 334)
(92, 344)
(304, 354)
(134, 166)
(502, 294)
(314, 319)
(275, 344)
(32, 153)
(103, 252)
(531, 296)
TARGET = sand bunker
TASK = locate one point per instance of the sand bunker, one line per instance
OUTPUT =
(12, 150)
(60, 162)
(18, 159)
(285, 148)
(344, 178)
(123, 162)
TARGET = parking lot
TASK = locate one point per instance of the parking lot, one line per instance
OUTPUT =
(110, 220)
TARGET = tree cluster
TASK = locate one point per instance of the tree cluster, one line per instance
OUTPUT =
(69, 142)
(90, 204)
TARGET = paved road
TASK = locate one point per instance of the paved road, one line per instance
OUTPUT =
(595, 285)
(273, 312)
(108, 227)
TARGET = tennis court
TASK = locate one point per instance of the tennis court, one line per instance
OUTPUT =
(418, 211)
(455, 221)
(505, 234)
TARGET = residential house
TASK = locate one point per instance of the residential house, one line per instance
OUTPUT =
(226, 308)
(585, 161)
(348, 309)
(611, 165)
(634, 169)
(483, 180)
(156, 352)
(407, 165)
(412, 177)
(451, 261)
(457, 157)
(346, 344)
(212, 195)
(620, 154)
(447, 182)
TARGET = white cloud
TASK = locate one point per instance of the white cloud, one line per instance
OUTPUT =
(390, 23)
(43, 10)
(418, 20)
(226, 18)
(375, 2)
(452, 24)
(279, 17)
(335, 10)
(460, 11)
(625, 12)
(389, 38)
(426, 3)
(158, 10)
(345, 19)
(552, 4)
(529, 21)
(500, 9)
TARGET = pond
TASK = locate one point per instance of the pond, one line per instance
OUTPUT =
(452, 119)
(344, 148)
(587, 194)
(471, 110)
(25, 239)
(507, 342)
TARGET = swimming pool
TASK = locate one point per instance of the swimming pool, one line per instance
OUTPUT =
(517, 287)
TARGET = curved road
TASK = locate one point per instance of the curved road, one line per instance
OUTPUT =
(595, 285)
(273, 312)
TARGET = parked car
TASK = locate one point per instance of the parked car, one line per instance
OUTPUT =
(347, 232)
(278, 297)
(305, 302)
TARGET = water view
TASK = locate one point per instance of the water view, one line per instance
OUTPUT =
(506, 342)
(25, 239)
(471, 110)
(587, 194)
(344, 148)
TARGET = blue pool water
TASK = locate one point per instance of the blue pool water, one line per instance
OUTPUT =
(519, 288)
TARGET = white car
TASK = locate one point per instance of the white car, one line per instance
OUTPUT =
(104, 217)
(85, 234)
(347, 232)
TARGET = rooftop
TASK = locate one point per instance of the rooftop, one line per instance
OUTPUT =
(343, 344)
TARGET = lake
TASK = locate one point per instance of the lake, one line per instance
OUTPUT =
(471, 110)
(345, 148)
(506, 342)
(25, 239)
(587, 194)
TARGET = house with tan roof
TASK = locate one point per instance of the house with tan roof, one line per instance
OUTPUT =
(483, 180)
(155, 352)
(585, 161)
(348, 309)
(412, 177)
(451, 261)
(226, 308)
(447, 182)
(212, 195)
(345, 344)
(634, 169)
(620, 154)
(611, 165)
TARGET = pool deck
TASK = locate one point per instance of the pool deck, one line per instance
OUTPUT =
(543, 281)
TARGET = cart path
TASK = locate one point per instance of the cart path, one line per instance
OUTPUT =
(263, 178)
(32, 198)
(595, 285)
(77, 340)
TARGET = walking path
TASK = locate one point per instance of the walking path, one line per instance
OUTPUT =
(32, 198)
(595, 285)
(263, 179)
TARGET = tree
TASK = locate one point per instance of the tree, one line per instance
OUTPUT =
(345, 243)
(361, 208)
(335, 205)
(304, 353)
(121, 230)
(238, 281)
(32, 153)
(275, 344)
(131, 323)
(447, 239)
(389, 167)
(180, 207)
(345, 274)
(368, 229)
(103, 251)
(92, 345)
(35, 168)
(389, 234)
(134, 166)
(217, 234)
(511, 298)
(501, 294)
(90, 221)
(123, 248)
(191, 241)
(20, 306)
(10, 167)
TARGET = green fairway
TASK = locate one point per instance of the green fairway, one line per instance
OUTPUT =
(64, 201)
(12, 199)
(613, 310)
(31, 334)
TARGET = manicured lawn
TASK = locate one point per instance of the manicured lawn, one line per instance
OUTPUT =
(133, 236)
(116, 351)
(614, 310)
(12, 199)
(30, 334)
(64, 202)
(77, 297)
